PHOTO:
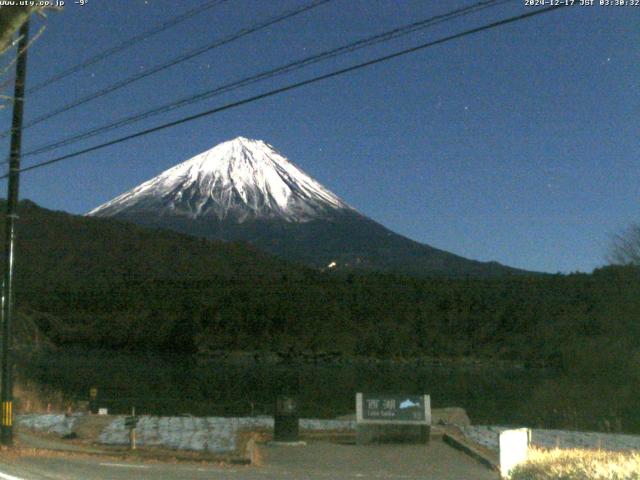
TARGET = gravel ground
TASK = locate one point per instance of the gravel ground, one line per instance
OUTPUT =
(488, 437)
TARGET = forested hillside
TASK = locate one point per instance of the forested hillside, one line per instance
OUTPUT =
(103, 283)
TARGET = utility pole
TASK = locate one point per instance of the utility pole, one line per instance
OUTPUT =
(6, 383)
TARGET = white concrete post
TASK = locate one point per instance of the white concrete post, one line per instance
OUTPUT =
(514, 448)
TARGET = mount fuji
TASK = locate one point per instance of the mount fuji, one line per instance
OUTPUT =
(245, 190)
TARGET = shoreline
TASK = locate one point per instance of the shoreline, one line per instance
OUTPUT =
(339, 359)
(322, 358)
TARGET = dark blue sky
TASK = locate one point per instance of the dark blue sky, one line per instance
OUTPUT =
(519, 144)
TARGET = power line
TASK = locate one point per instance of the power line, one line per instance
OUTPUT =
(288, 68)
(126, 44)
(182, 58)
(292, 87)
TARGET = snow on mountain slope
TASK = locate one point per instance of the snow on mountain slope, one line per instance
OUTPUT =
(244, 190)
(237, 180)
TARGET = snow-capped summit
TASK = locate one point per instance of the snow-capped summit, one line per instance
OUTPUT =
(236, 180)
(244, 190)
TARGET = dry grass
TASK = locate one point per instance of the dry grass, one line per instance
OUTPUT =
(32, 398)
(578, 465)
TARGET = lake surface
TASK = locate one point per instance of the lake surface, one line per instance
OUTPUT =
(181, 385)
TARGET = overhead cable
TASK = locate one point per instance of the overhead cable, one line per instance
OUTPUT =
(175, 61)
(293, 86)
(129, 42)
(287, 68)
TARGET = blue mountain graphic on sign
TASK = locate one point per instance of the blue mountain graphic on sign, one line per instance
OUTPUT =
(409, 404)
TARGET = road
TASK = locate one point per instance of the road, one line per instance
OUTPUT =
(316, 461)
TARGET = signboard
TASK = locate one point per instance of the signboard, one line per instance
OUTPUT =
(286, 426)
(387, 409)
(286, 406)
(130, 422)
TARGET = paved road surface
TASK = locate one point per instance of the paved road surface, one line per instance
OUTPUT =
(316, 461)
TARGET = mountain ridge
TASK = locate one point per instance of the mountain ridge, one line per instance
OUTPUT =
(245, 190)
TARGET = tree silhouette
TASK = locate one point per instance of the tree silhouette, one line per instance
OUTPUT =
(625, 247)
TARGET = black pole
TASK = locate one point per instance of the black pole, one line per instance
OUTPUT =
(6, 384)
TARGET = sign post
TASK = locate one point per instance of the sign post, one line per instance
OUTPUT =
(393, 418)
(131, 423)
(93, 400)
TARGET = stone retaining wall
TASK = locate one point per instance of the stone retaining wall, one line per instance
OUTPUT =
(488, 437)
(219, 434)
(210, 434)
(57, 423)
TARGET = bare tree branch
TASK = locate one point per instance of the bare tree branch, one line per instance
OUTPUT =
(624, 248)
(11, 19)
(12, 62)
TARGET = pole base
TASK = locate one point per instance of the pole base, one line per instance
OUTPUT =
(6, 435)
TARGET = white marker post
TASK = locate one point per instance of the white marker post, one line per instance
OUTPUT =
(514, 449)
